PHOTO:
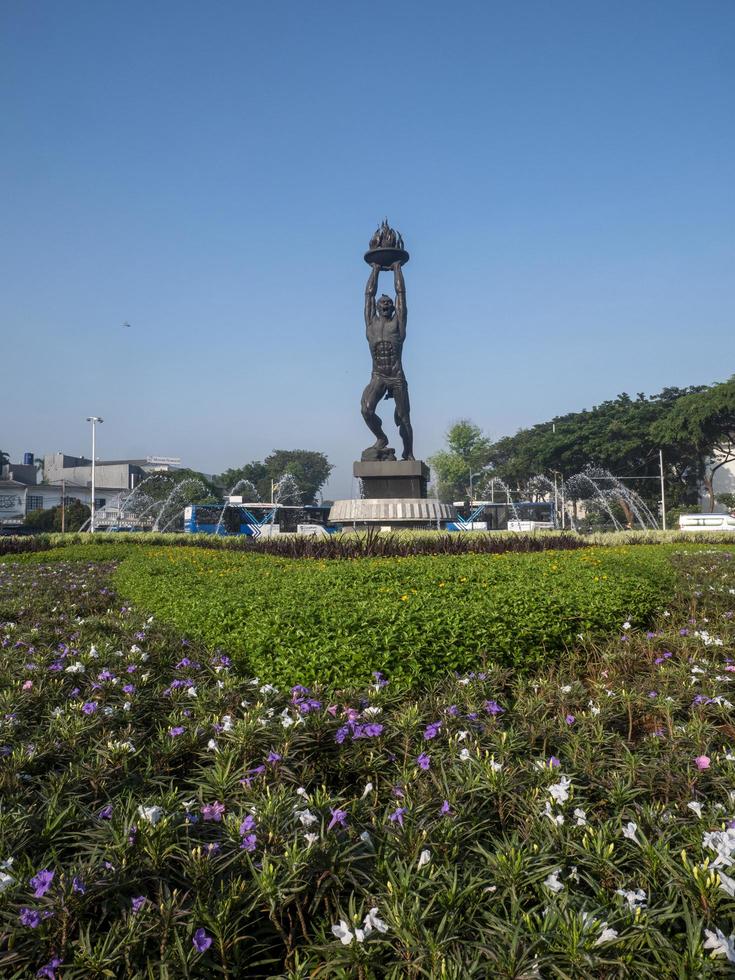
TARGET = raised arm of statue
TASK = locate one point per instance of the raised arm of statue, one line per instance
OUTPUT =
(401, 311)
(370, 290)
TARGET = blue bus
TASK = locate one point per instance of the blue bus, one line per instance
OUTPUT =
(256, 519)
(488, 515)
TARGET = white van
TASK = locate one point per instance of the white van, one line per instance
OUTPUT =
(706, 522)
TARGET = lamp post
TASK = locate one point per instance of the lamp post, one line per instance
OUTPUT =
(94, 419)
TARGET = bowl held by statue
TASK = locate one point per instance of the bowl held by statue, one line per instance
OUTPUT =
(385, 257)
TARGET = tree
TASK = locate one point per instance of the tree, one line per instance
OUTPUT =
(76, 514)
(309, 469)
(702, 427)
(467, 452)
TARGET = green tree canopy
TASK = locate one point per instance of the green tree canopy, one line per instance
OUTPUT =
(308, 468)
(468, 451)
(701, 428)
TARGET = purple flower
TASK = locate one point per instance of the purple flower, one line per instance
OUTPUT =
(89, 708)
(202, 941)
(653, 694)
(247, 825)
(78, 885)
(445, 808)
(570, 719)
(42, 882)
(176, 730)
(380, 681)
(397, 815)
(338, 817)
(432, 730)
(424, 761)
(105, 813)
(553, 762)
(128, 688)
(372, 730)
(138, 903)
(49, 970)
(213, 811)
(273, 757)
(493, 708)
(29, 917)
(341, 734)
(249, 843)
(684, 632)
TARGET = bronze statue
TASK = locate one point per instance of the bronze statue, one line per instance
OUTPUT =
(385, 325)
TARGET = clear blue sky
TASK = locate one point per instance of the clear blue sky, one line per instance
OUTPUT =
(563, 174)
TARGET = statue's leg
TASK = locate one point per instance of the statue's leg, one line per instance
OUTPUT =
(403, 419)
(370, 398)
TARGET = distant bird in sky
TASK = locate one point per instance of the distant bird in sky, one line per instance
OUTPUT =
(126, 324)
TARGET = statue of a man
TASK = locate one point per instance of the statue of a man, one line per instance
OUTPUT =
(385, 325)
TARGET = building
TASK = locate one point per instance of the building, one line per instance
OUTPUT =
(31, 486)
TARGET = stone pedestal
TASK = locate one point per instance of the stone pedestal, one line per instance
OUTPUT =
(390, 480)
(393, 495)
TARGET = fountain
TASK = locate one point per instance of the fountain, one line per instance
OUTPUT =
(250, 493)
(178, 495)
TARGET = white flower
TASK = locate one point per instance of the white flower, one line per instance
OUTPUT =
(696, 807)
(629, 831)
(115, 746)
(306, 817)
(566, 689)
(127, 706)
(150, 813)
(495, 766)
(581, 817)
(286, 719)
(626, 625)
(6, 880)
(373, 922)
(212, 745)
(464, 755)
(424, 859)
(344, 933)
(634, 899)
(727, 884)
(461, 736)
(93, 651)
(76, 668)
(365, 837)
(268, 689)
(227, 723)
(311, 838)
(302, 792)
(372, 710)
(553, 883)
(722, 842)
(368, 789)
(560, 791)
(594, 710)
(557, 818)
(192, 692)
(606, 936)
(720, 944)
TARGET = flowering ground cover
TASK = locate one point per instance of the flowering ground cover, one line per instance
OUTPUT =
(164, 816)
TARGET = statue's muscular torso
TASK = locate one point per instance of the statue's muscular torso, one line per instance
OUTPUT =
(386, 346)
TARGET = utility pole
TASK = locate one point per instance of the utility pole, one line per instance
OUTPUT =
(94, 419)
(663, 489)
(63, 502)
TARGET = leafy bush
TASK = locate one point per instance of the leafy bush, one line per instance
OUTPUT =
(301, 622)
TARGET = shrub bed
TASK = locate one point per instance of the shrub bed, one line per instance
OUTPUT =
(301, 622)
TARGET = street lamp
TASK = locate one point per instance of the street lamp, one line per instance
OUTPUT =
(94, 419)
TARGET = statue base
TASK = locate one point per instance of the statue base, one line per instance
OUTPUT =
(393, 479)
(391, 513)
(393, 496)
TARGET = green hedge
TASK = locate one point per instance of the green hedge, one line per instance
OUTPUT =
(291, 621)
